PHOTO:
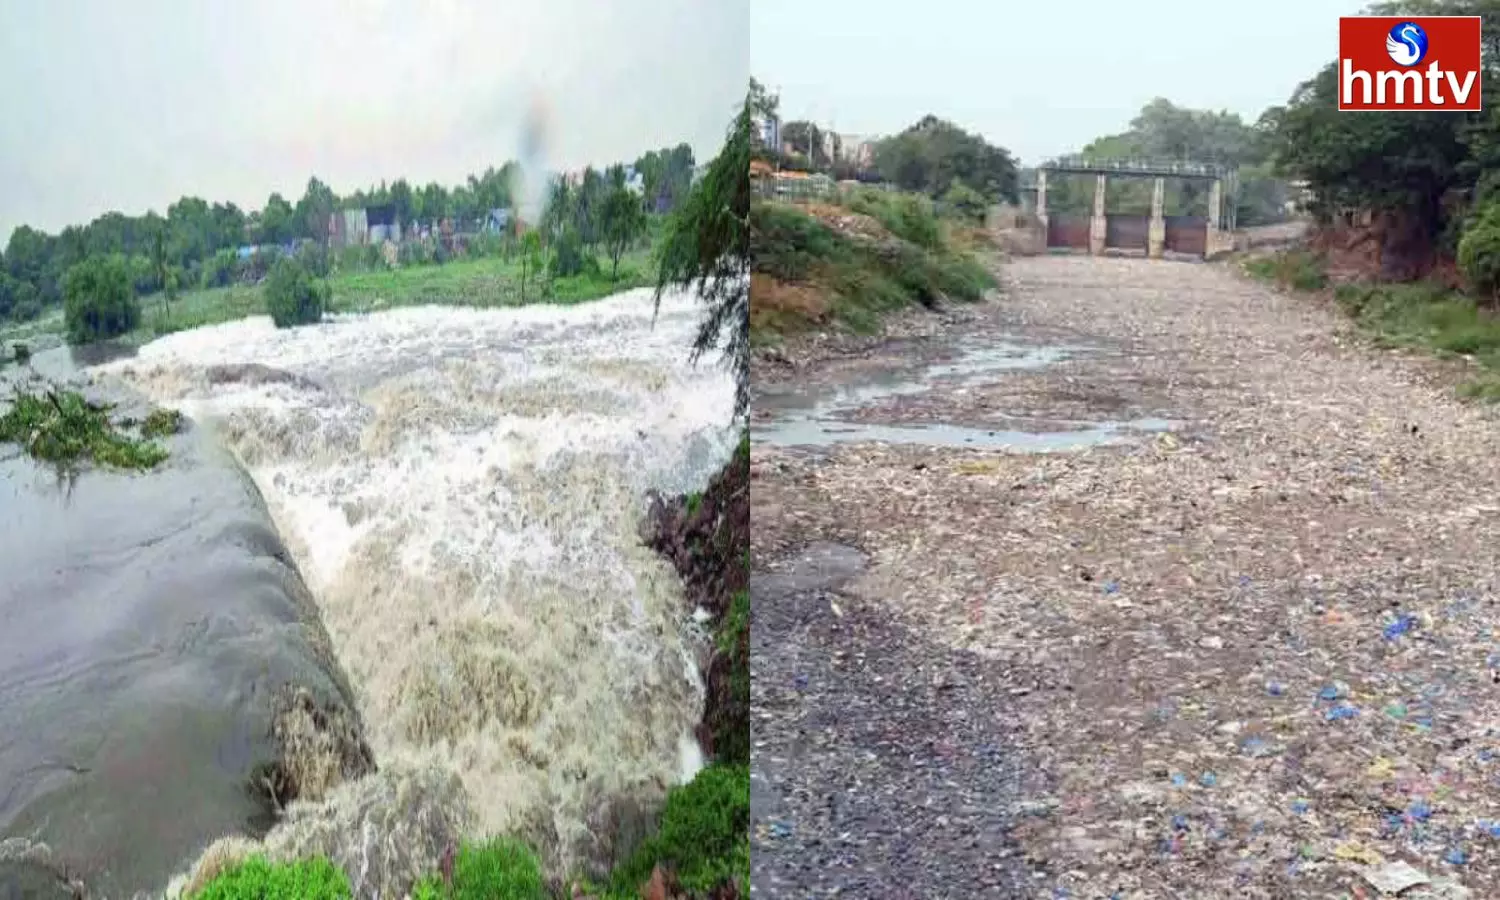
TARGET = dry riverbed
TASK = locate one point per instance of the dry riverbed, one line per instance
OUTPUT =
(1140, 581)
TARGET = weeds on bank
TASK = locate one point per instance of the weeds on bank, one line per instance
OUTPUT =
(1300, 270)
(811, 274)
(66, 430)
(1419, 315)
(309, 879)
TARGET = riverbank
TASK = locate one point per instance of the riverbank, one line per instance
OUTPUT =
(846, 269)
(484, 282)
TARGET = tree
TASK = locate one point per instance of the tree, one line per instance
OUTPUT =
(812, 142)
(314, 209)
(933, 153)
(159, 265)
(624, 221)
(401, 199)
(531, 258)
(293, 295)
(277, 221)
(707, 249)
(98, 300)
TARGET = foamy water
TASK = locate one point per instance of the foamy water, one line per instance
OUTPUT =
(461, 489)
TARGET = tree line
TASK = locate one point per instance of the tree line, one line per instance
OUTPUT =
(932, 156)
(194, 242)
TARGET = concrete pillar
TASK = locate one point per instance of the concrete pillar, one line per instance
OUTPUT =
(1215, 205)
(1098, 225)
(1156, 235)
(1041, 198)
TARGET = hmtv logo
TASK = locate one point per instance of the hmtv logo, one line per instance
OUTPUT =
(1393, 63)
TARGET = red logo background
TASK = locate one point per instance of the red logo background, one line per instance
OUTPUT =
(1452, 41)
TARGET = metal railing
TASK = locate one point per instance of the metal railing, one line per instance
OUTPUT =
(1180, 168)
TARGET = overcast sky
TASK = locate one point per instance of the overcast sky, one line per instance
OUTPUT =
(1039, 79)
(110, 104)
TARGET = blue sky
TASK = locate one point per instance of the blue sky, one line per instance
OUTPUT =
(130, 105)
(1036, 78)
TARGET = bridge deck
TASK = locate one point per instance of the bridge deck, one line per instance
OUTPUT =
(1137, 167)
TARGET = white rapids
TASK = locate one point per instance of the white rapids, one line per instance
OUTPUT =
(461, 489)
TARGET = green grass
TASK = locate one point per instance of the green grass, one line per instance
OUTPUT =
(66, 430)
(257, 879)
(501, 869)
(485, 282)
(703, 838)
(858, 282)
(1299, 270)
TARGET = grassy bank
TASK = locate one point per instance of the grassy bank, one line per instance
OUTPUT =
(850, 263)
(1420, 315)
(484, 282)
(701, 847)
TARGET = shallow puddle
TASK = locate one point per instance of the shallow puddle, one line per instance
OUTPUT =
(803, 418)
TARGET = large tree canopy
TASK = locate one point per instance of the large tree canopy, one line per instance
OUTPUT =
(934, 153)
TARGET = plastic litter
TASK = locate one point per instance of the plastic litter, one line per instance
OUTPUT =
(1340, 712)
(1404, 624)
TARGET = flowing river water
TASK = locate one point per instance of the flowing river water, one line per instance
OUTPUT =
(460, 490)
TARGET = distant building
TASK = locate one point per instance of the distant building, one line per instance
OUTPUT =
(348, 228)
(384, 225)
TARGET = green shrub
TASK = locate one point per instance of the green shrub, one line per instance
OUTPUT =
(569, 256)
(704, 837)
(910, 217)
(293, 295)
(219, 270)
(965, 203)
(315, 258)
(502, 869)
(257, 879)
(21, 353)
(1479, 253)
(1300, 270)
(99, 300)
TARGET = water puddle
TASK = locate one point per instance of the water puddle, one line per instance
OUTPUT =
(805, 418)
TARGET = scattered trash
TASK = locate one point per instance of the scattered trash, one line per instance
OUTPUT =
(1404, 624)
(1208, 779)
(1111, 587)
(1394, 877)
(1490, 828)
(1456, 856)
(1275, 688)
(1255, 745)
(1419, 811)
(1300, 807)
(1179, 822)
(1331, 692)
(800, 681)
(1354, 851)
(1396, 710)
(1340, 712)
(1179, 779)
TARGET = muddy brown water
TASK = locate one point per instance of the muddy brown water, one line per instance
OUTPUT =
(149, 623)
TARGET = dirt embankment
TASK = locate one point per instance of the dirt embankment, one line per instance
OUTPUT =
(707, 538)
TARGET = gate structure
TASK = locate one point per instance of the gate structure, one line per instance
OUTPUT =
(1153, 234)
